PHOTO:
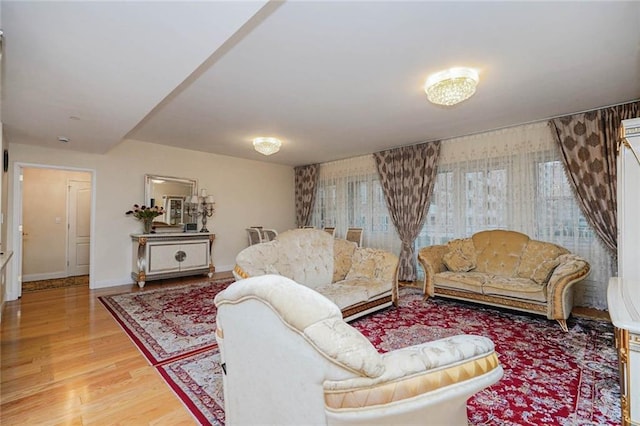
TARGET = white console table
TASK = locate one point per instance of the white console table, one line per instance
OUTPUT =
(157, 256)
(623, 297)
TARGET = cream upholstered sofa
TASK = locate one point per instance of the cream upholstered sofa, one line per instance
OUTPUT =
(358, 280)
(505, 268)
(290, 359)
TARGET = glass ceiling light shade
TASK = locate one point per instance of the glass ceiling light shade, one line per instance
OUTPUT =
(267, 146)
(451, 86)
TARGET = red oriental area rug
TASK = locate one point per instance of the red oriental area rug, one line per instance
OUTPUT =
(169, 323)
(551, 377)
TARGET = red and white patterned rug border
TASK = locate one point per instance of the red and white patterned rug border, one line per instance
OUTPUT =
(203, 406)
(139, 336)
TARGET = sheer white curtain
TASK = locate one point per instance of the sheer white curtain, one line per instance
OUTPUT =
(349, 195)
(504, 179)
(513, 179)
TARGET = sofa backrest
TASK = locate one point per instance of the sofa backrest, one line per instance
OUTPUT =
(498, 252)
(304, 255)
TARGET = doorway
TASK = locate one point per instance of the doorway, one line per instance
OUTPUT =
(56, 218)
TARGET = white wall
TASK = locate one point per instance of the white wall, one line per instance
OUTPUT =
(246, 192)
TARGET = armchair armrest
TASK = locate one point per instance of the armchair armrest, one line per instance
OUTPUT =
(571, 270)
(431, 260)
(418, 370)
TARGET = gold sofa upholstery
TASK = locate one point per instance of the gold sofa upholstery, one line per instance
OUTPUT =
(359, 280)
(507, 269)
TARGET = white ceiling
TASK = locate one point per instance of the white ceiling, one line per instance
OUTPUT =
(331, 79)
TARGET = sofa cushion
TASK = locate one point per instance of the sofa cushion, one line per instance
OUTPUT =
(461, 256)
(374, 288)
(469, 281)
(363, 264)
(543, 271)
(499, 252)
(343, 295)
(539, 259)
(342, 258)
(520, 288)
(373, 264)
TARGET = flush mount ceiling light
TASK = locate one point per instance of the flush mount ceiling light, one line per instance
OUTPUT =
(451, 86)
(267, 146)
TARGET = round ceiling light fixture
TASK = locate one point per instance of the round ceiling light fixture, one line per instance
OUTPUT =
(451, 86)
(267, 146)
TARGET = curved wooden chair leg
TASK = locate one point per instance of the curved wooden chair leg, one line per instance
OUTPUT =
(563, 325)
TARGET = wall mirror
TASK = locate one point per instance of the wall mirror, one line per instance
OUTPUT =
(170, 193)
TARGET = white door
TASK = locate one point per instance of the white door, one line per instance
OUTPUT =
(79, 228)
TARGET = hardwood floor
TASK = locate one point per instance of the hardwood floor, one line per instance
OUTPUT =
(65, 360)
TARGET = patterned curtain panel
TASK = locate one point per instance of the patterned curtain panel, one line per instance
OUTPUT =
(588, 144)
(407, 175)
(306, 180)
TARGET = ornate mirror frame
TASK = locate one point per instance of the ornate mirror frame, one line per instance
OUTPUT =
(171, 193)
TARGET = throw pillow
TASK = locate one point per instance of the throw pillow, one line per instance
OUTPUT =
(534, 254)
(461, 256)
(342, 258)
(543, 271)
(363, 264)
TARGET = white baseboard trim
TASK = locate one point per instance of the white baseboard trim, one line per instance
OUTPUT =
(110, 283)
(224, 268)
(45, 276)
(129, 281)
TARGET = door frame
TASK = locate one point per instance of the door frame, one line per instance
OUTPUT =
(14, 286)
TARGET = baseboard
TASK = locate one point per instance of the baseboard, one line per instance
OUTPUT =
(45, 276)
(110, 283)
(224, 268)
(129, 281)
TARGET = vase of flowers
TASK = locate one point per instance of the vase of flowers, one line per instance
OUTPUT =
(146, 215)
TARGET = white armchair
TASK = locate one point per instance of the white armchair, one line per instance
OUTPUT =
(290, 358)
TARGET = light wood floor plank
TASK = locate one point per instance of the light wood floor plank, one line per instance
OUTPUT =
(65, 360)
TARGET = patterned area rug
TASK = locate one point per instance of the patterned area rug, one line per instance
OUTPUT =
(551, 377)
(169, 323)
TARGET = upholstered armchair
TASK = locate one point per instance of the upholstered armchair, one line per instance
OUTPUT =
(290, 358)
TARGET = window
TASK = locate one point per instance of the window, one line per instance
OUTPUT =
(505, 179)
(349, 194)
(512, 179)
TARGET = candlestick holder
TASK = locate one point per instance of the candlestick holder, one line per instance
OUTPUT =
(201, 205)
